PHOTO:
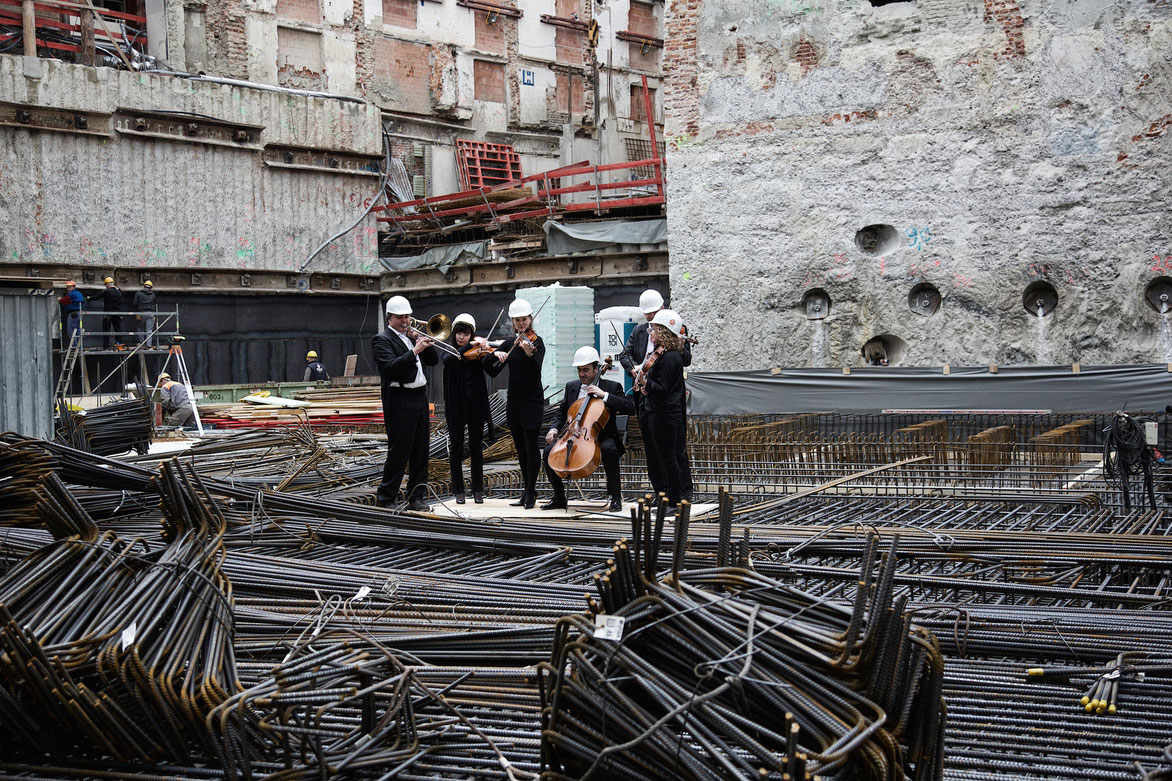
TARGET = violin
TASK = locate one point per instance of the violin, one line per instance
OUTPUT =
(576, 453)
(528, 336)
(640, 385)
(477, 350)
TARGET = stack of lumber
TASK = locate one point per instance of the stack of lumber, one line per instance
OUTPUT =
(325, 407)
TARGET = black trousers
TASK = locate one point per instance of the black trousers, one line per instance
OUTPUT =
(653, 469)
(663, 449)
(475, 452)
(111, 323)
(528, 451)
(610, 462)
(405, 411)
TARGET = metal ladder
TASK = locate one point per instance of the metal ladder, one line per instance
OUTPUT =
(67, 364)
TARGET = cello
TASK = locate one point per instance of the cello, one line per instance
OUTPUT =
(576, 454)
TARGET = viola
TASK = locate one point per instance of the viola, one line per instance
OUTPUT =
(641, 381)
(576, 453)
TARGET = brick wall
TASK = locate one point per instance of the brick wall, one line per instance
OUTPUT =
(402, 72)
(489, 80)
(641, 21)
(1006, 14)
(681, 72)
(301, 10)
(490, 37)
(564, 92)
(568, 43)
(639, 103)
(299, 59)
(400, 13)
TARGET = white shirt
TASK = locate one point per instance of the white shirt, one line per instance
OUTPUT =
(582, 390)
(420, 380)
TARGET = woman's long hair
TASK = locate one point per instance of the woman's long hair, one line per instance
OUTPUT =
(666, 338)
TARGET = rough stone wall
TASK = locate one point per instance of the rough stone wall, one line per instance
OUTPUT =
(121, 201)
(1005, 143)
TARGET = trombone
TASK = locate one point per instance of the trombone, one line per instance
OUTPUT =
(437, 328)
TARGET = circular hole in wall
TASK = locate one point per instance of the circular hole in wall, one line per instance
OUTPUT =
(924, 299)
(877, 239)
(816, 303)
(1158, 294)
(884, 350)
(1039, 299)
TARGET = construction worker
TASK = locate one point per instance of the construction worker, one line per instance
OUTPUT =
(178, 409)
(314, 371)
(144, 304)
(111, 298)
(71, 304)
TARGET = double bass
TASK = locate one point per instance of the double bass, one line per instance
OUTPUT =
(576, 454)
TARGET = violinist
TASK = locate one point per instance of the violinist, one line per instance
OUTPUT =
(590, 383)
(635, 352)
(466, 404)
(662, 386)
(525, 404)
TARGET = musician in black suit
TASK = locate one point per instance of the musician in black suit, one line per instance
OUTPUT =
(610, 443)
(400, 354)
(525, 402)
(632, 357)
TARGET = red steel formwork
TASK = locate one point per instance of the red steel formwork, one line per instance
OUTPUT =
(62, 18)
(484, 165)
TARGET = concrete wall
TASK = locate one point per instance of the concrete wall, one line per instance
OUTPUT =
(124, 201)
(1005, 142)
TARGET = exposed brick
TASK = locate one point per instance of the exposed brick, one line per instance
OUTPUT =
(400, 13)
(490, 37)
(681, 68)
(568, 44)
(641, 21)
(805, 53)
(402, 70)
(564, 91)
(301, 10)
(639, 104)
(489, 81)
(1007, 15)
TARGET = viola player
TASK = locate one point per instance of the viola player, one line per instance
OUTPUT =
(590, 385)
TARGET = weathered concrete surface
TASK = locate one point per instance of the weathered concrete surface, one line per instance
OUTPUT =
(132, 202)
(1005, 143)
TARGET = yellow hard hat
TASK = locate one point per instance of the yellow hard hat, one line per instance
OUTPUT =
(148, 283)
(107, 280)
(310, 354)
(164, 376)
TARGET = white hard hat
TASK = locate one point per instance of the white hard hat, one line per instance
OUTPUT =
(398, 306)
(520, 308)
(584, 356)
(466, 319)
(670, 320)
(650, 300)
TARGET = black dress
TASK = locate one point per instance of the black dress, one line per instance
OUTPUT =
(524, 409)
(466, 408)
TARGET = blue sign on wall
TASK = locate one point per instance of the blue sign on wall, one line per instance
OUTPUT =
(527, 78)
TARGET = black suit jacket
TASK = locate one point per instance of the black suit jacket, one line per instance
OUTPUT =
(395, 361)
(617, 403)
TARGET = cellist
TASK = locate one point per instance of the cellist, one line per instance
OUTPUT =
(590, 385)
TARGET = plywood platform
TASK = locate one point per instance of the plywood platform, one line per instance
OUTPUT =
(500, 508)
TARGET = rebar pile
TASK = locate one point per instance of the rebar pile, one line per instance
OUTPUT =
(116, 427)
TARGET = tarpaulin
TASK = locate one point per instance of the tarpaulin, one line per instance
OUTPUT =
(1139, 388)
(442, 258)
(562, 239)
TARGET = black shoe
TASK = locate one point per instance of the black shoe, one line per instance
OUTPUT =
(419, 506)
(459, 498)
(530, 501)
(478, 497)
(519, 503)
(388, 502)
(556, 503)
(616, 504)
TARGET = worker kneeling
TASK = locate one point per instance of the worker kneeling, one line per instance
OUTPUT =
(591, 391)
(178, 409)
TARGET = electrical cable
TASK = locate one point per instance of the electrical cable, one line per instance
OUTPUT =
(1126, 453)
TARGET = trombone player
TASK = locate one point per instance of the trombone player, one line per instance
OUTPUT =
(400, 353)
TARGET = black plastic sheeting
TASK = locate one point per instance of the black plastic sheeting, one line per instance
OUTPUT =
(262, 338)
(1141, 388)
